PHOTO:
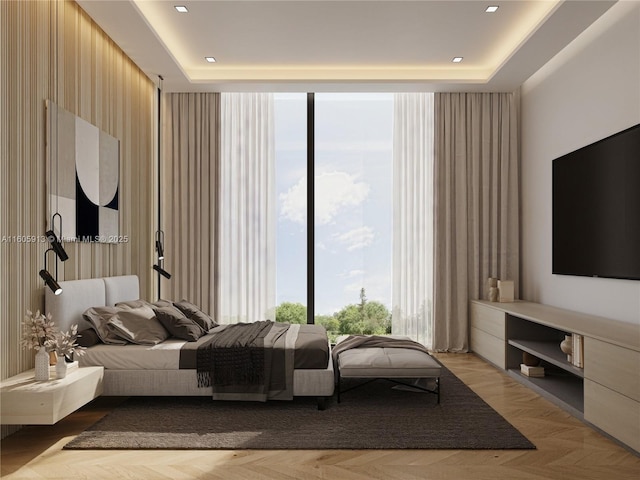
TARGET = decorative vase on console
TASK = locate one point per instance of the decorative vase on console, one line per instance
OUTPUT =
(61, 367)
(37, 331)
(492, 289)
(42, 365)
(65, 346)
(567, 346)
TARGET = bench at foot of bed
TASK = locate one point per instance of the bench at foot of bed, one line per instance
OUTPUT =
(398, 365)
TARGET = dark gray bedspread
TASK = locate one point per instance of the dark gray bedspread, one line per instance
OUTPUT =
(311, 348)
(255, 361)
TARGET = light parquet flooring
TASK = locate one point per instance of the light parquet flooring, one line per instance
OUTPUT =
(566, 448)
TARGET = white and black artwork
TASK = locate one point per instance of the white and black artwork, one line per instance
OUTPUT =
(82, 177)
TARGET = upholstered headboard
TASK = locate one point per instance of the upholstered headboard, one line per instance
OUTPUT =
(78, 295)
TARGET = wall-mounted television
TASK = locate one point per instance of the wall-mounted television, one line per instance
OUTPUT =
(596, 208)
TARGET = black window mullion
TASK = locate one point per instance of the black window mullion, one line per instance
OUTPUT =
(310, 208)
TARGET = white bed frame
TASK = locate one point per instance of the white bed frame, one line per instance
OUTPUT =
(79, 295)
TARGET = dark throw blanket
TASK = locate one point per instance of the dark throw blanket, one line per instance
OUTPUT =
(249, 361)
(235, 356)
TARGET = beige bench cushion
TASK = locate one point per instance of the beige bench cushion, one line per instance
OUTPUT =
(387, 363)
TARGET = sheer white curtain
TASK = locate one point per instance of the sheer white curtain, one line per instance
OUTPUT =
(247, 240)
(413, 157)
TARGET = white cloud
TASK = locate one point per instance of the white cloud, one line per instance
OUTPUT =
(335, 191)
(357, 238)
(351, 274)
(294, 202)
(377, 288)
(357, 147)
(353, 288)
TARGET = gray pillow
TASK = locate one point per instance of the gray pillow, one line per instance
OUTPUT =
(131, 304)
(138, 325)
(99, 318)
(195, 314)
(88, 338)
(160, 303)
(177, 323)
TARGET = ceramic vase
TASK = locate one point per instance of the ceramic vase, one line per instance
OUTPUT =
(42, 365)
(530, 360)
(61, 367)
(567, 347)
(493, 294)
(492, 288)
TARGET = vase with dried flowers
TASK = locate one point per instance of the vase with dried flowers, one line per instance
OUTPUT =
(37, 331)
(64, 344)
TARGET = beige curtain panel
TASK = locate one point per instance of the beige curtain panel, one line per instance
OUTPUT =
(476, 205)
(189, 182)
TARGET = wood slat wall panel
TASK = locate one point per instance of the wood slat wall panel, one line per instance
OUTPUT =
(98, 82)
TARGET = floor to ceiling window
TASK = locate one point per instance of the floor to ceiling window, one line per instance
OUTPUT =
(290, 113)
(352, 210)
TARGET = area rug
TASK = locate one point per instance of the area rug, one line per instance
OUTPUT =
(374, 416)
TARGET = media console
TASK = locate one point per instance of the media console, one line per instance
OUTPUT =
(605, 393)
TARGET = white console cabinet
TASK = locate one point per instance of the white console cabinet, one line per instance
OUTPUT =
(24, 401)
(605, 393)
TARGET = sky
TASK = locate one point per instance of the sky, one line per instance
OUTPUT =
(353, 203)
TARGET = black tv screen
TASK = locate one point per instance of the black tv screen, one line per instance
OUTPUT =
(596, 208)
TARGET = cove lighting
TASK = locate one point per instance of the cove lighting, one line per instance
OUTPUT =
(210, 59)
(492, 9)
(456, 59)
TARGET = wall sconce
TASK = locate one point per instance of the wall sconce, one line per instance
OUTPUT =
(160, 244)
(159, 241)
(162, 271)
(160, 249)
(56, 246)
(46, 276)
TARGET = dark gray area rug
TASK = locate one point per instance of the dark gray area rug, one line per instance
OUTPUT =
(375, 416)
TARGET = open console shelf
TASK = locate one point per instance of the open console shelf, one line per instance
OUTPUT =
(549, 352)
(563, 389)
(562, 382)
(605, 393)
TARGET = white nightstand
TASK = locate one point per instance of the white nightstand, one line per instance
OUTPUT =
(23, 401)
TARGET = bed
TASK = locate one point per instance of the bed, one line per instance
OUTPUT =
(153, 370)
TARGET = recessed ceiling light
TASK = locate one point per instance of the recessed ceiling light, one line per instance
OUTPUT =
(182, 8)
(492, 9)
(456, 59)
(210, 59)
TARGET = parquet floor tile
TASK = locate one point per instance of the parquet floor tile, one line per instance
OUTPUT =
(566, 448)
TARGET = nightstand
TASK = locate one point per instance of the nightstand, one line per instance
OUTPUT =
(23, 401)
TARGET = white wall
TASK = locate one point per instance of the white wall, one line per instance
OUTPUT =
(588, 91)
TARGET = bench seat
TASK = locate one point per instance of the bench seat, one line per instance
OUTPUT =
(389, 364)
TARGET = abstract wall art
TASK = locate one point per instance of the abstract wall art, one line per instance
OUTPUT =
(82, 177)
